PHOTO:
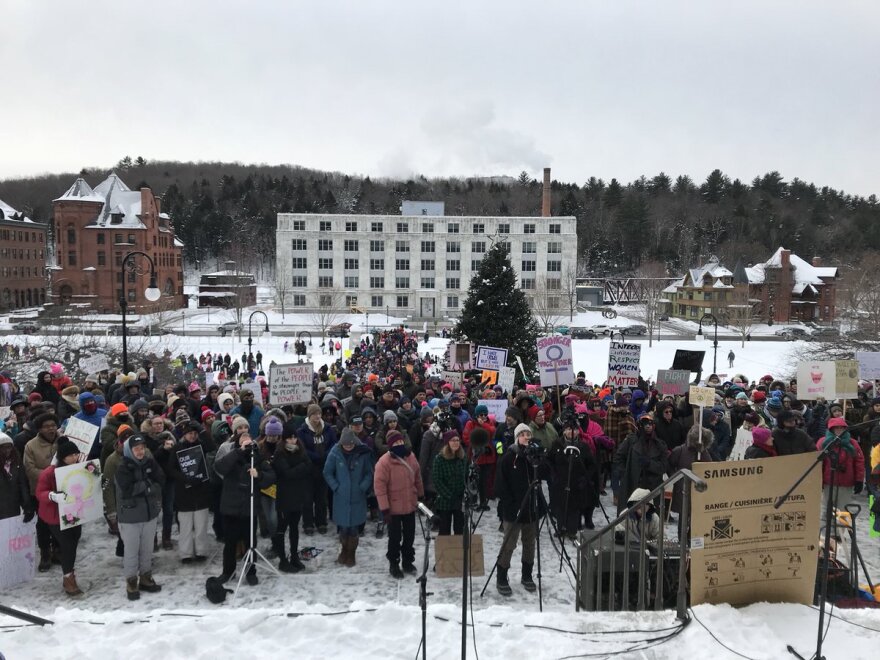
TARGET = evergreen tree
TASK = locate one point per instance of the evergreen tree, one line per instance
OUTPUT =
(496, 311)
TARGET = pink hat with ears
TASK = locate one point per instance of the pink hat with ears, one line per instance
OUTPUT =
(56, 369)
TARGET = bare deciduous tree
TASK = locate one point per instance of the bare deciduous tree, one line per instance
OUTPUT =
(331, 308)
(741, 312)
(654, 281)
(548, 303)
(569, 290)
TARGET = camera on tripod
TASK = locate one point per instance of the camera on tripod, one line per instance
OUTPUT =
(444, 420)
(534, 452)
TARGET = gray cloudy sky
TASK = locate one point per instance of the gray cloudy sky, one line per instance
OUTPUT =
(608, 88)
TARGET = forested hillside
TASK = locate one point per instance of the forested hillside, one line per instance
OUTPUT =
(675, 221)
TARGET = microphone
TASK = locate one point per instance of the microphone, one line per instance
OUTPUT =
(427, 512)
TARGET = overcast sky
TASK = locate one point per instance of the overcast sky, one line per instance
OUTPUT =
(588, 87)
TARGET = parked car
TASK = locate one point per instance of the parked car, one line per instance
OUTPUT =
(634, 330)
(792, 333)
(664, 317)
(229, 327)
(825, 333)
(583, 333)
(339, 330)
(26, 327)
(602, 329)
(155, 329)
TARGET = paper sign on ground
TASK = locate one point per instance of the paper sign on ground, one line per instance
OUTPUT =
(846, 383)
(81, 433)
(94, 364)
(505, 378)
(701, 396)
(688, 360)
(555, 363)
(290, 383)
(448, 555)
(85, 501)
(816, 380)
(496, 407)
(491, 358)
(192, 463)
(869, 365)
(742, 549)
(672, 381)
(623, 364)
(18, 551)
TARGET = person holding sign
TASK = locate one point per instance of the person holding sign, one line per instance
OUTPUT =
(850, 476)
(48, 499)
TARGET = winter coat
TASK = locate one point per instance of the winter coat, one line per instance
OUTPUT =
(407, 418)
(619, 424)
(544, 435)
(432, 443)
(37, 455)
(641, 462)
(47, 509)
(293, 476)
(108, 482)
(791, 442)
(189, 494)
(513, 476)
(449, 473)
(46, 390)
(97, 419)
(317, 441)
(397, 483)
(232, 467)
(684, 456)
(66, 407)
(672, 433)
(756, 451)
(15, 491)
(138, 489)
(574, 482)
(350, 476)
(253, 418)
(108, 434)
(850, 467)
(485, 457)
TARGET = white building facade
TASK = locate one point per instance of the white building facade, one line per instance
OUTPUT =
(410, 265)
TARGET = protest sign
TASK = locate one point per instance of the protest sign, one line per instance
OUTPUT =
(94, 364)
(869, 365)
(701, 396)
(454, 378)
(489, 377)
(555, 363)
(816, 380)
(209, 379)
(462, 354)
(672, 381)
(491, 358)
(192, 463)
(18, 551)
(81, 433)
(290, 383)
(688, 360)
(5, 413)
(623, 364)
(742, 549)
(257, 390)
(449, 553)
(82, 485)
(496, 407)
(505, 378)
(846, 383)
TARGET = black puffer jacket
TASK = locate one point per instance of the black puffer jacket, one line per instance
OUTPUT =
(293, 476)
(513, 476)
(233, 467)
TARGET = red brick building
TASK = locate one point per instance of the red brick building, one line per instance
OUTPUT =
(95, 229)
(22, 260)
(791, 289)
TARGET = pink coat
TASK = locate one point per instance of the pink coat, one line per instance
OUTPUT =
(398, 484)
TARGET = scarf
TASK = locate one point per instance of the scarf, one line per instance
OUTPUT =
(401, 451)
(845, 441)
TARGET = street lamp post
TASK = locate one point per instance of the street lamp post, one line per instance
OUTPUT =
(387, 313)
(152, 294)
(250, 339)
(714, 339)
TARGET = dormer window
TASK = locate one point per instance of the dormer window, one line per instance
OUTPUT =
(116, 218)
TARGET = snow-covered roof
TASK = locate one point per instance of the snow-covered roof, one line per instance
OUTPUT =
(712, 268)
(9, 212)
(215, 294)
(803, 272)
(80, 191)
(121, 205)
(721, 285)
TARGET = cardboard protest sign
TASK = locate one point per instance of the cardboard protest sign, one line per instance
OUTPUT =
(209, 379)
(448, 555)
(462, 353)
(491, 358)
(257, 390)
(18, 551)
(816, 380)
(742, 549)
(688, 360)
(846, 382)
(489, 377)
(701, 396)
(555, 363)
(82, 485)
(94, 364)
(672, 381)
(192, 463)
(505, 378)
(869, 365)
(454, 378)
(496, 407)
(81, 433)
(290, 383)
(623, 364)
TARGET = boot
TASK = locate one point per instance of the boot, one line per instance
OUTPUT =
(502, 584)
(353, 542)
(278, 545)
(131, 588)
(409, 567)
(394, 569)
(120, 548)
(380, 530)
(166, 540)
(285, 566)
(71, 588)
(148, 584)
(343, 551)
(45, 561)
(251, 576)
(295, 564)
(526, 580)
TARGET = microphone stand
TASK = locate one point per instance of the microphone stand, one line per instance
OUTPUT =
(423, 588)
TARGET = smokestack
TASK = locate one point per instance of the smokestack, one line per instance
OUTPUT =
(545, 198)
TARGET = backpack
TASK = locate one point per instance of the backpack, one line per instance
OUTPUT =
(215, 591)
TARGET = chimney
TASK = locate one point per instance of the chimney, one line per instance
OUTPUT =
(545, 198)
(817, 261)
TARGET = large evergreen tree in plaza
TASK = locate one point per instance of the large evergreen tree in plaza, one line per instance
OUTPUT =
(496, 312)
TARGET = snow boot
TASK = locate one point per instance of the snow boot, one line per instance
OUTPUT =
(526, 580)
(502, 584)
(380, 530)
(148, 584)
(409, 568)
(120, 548)
(131, 588)
(45, 561)
(394, 569)
(251, 577)
(285, 566)
(353, 542)
(295, 564)
(71, 588)
(343, 551)
(166, 541)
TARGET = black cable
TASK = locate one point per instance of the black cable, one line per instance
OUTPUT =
(852, 623)
(637, 647)
(712, 635)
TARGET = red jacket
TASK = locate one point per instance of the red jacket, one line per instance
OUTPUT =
(47, 509)
(398, 483)
(59, 383)
(485, 458)
(851, 468)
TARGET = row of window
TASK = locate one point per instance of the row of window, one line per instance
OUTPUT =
(403, 282)
(162, 260)
(477, 247)
(21, 236)
(21, 253)
(326, 263)
(22, 298)
(427, 227)
(376, 302)
(24, 271)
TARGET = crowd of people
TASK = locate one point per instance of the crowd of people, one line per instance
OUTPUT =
(382, 432)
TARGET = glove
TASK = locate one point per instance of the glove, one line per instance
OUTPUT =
(29, 515)
(386, 515)
(58, 498)
(857, 488)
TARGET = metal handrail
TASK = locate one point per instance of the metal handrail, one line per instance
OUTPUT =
(584, 549)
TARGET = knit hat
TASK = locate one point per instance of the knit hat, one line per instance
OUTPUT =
(223, 398)
(181, 417)
(366, 410)
(91, 378)
(34, 397)
(760, 435)
(619, 400)
(758, 396)
(313, 409)
(389, 416)
(5, 439)
(449, 435)
(118, 409)
(56, 370)
(136, 440)
(752, 418)
(122, 429)
(481, 409)
(240, 422)
(194, 387)
(875, 400)
(742, 395)
(274, 426)
(207, 413)
(65, 448)
(348, 437)
(426, 412)
(519, 429)
(774, 403)
(392, 437)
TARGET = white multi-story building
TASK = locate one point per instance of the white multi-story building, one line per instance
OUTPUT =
(418, 266)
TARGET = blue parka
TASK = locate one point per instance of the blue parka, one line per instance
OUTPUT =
(350, 476)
